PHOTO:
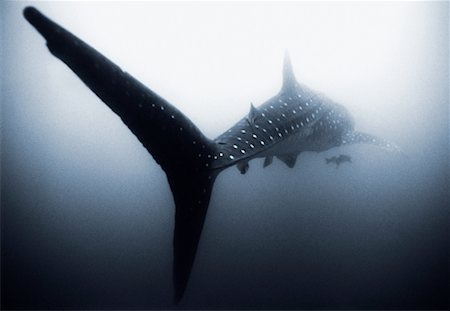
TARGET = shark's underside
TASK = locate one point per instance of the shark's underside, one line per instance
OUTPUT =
(297, 119)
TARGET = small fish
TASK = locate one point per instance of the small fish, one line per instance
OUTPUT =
(339, 159)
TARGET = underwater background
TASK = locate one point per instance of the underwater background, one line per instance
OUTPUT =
(87, 215)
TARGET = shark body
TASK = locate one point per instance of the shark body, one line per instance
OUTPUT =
(295, 120)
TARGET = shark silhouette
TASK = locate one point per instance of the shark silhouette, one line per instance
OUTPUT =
(297, 119)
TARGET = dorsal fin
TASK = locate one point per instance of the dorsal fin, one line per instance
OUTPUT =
(252, 114)
(289, 80)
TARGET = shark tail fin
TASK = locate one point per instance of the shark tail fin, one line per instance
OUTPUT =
(191, 194)
(175, 143)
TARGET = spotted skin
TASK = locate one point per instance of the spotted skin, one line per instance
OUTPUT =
(297, 119)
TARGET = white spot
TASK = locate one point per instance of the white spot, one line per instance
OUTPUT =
(307, 119)
(194, 142)
(283, 115)
(231, 157)
(162, 107)
(301, 124)
(294, 112)
(271, 138)
(172, 116)
(254, 136)
(262, 143)
(220, 154)
(235, 146)
(251, 146)
(299, 96)
(263, 114)
(243, 151)
(243, 131)
(271, 107)
(292, 127)
(264, 130)
(239, 138)
(269, 121)
(279, 134)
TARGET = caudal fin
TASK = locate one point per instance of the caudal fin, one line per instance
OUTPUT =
(183, 152)
(191, 194)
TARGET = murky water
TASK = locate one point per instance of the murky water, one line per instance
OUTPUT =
(87, 215)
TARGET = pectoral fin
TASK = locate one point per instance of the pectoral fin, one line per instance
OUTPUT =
(289, 160)
(268, 160)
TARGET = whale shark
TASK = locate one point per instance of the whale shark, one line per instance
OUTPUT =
(295, 120)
